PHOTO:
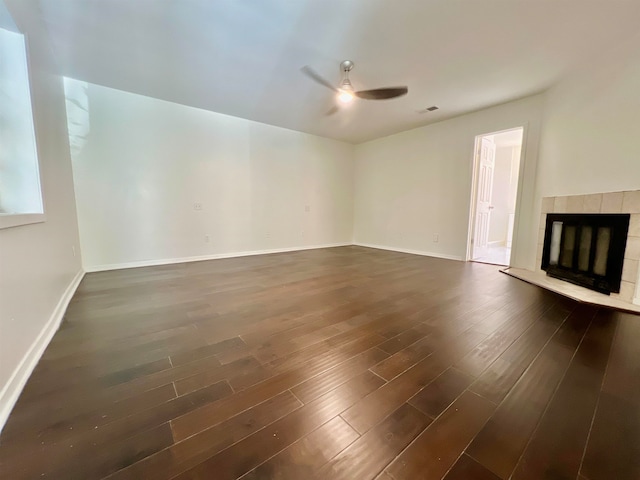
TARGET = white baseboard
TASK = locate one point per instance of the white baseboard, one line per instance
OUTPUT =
(413, 252)
(11, 391)
(216, 256)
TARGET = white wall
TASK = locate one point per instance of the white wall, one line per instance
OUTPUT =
(589, 139)
(500, 195)
(417, 184)
(146, 162)
(504, 193)
(590, 142)
(37, 264)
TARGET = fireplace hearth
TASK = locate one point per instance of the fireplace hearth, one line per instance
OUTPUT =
(586, 249)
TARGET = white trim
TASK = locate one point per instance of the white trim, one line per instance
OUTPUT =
(412, 252)
(9, 220)
(12, 389)
(216, 256)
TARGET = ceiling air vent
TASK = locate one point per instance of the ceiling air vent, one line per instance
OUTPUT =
(432, 108)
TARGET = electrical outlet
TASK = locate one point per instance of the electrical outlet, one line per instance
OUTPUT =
(197, 206)
(435, 238)
(307, 208)
(73, 249)
(207, 239)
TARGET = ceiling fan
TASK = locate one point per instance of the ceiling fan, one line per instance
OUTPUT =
(345, 91)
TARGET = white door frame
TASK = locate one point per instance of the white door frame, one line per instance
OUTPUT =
(474, 189)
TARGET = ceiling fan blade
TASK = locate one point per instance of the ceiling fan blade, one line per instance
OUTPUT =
(332, 111)
(382, 93)
(313, 75)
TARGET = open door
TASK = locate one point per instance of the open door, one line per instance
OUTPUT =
(486, 162)
(492, 214)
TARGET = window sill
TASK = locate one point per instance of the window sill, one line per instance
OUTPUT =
(8, 220)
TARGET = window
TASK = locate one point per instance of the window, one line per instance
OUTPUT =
(20, 195)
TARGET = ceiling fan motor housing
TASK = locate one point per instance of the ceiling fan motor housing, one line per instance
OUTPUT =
(346, 66)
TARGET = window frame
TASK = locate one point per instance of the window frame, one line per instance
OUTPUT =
(10, 220)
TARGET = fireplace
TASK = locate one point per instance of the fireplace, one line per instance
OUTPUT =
(586, 249)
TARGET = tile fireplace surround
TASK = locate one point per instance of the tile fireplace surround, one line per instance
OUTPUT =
(611, 202)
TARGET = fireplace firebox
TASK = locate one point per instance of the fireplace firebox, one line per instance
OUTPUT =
(586, 249)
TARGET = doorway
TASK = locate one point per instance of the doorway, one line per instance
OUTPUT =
(496, 172)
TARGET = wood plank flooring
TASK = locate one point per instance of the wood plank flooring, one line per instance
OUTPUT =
(342, 363)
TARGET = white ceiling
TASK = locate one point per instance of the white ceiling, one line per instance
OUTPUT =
(243, 57)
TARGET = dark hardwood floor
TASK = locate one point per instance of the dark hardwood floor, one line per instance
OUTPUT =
(343, 363)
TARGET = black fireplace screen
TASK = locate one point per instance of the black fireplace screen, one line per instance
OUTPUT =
(586, 249)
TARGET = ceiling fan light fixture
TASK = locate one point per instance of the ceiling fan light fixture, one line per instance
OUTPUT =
(346, 92)
(345, 96)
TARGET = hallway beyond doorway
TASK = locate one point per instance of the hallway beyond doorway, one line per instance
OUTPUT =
(495, 254)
